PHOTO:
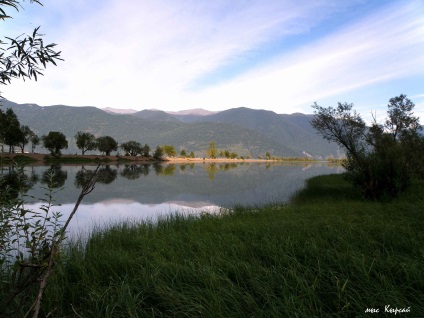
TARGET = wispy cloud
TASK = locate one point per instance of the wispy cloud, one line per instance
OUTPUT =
(154, 53)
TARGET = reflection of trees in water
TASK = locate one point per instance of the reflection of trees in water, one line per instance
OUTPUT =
(167, 170)
(184, 166)
(106, 175)
(132, 172)
(227, 166)
(54, 176)
(14, 180)
(211, 169)
(82, 177)
(158, 168)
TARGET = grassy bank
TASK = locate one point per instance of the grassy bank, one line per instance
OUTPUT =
(328, 254)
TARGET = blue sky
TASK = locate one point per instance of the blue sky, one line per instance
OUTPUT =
(279, 55)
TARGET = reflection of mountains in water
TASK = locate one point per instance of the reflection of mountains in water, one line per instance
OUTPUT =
(189, 185)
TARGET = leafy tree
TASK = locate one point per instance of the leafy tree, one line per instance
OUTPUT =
(233, 155)
(169, 150)
(158, 154)
(26, 135)
(106, 144)
(35, 141)
(132, 148)
(267, 155)
(55, 141)
(23, 56)
(85, 141)
(400, 117)
(212, 151)
(183, 153)
(10, 129)
(381, 159)
(191, 154)
(146, 151)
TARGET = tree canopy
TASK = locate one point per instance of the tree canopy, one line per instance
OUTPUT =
(381, 159)
(169, 150)
(212, 151)
(132, 148)
(85, 141)
(24, 56)
(106, 144)
(55, 141)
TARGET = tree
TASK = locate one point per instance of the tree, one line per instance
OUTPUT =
(35, 141)
(10, 129)
(158, 154)
(191, 154)
(169, 150)
(183, 153)
(23, 56)
(132, 148)
(400, 117)
(146, 151)
(381, 159)
(106, 144)
(55, 141)
(26, 135)
(212, 151)
(85, 141)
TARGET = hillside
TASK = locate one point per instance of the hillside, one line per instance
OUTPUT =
(242, 130)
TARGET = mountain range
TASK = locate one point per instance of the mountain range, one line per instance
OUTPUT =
(248, 132)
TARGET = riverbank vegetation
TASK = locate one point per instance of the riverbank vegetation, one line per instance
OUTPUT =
(327, 254)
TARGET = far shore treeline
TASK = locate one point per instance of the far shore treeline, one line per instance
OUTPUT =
(17, 138)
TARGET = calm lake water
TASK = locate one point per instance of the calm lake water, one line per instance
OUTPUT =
(149, 191)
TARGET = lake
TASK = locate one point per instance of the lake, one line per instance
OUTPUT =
(147, 191)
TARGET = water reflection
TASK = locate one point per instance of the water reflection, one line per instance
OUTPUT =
(54, 177)
(145, 190)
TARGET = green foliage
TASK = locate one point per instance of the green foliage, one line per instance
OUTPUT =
(10, 130)
(106, 144)
(158, 154)
(23, 57)
(55, 141)
(192, 154)
(26, 238)
(132, 148)
(381, 159)
(35, 141)
(212, 151)
(183, 153)
(328, 254)
(169, 150)
(146, 151)
(85, 141)
(26, 135)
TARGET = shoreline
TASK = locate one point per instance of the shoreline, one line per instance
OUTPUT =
(34, 159)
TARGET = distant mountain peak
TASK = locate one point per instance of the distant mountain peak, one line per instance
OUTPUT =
(118, 111)
(195, 111)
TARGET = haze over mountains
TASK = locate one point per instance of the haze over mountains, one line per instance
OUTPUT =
(247, 132)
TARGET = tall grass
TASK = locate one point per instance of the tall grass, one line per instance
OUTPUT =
(327, 254)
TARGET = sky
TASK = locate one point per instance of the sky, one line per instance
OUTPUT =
(278, 55)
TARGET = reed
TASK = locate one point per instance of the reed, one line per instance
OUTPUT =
(326, 254)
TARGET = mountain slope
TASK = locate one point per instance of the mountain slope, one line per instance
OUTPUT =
(192, 137)
(156, 115)
(293, 131)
